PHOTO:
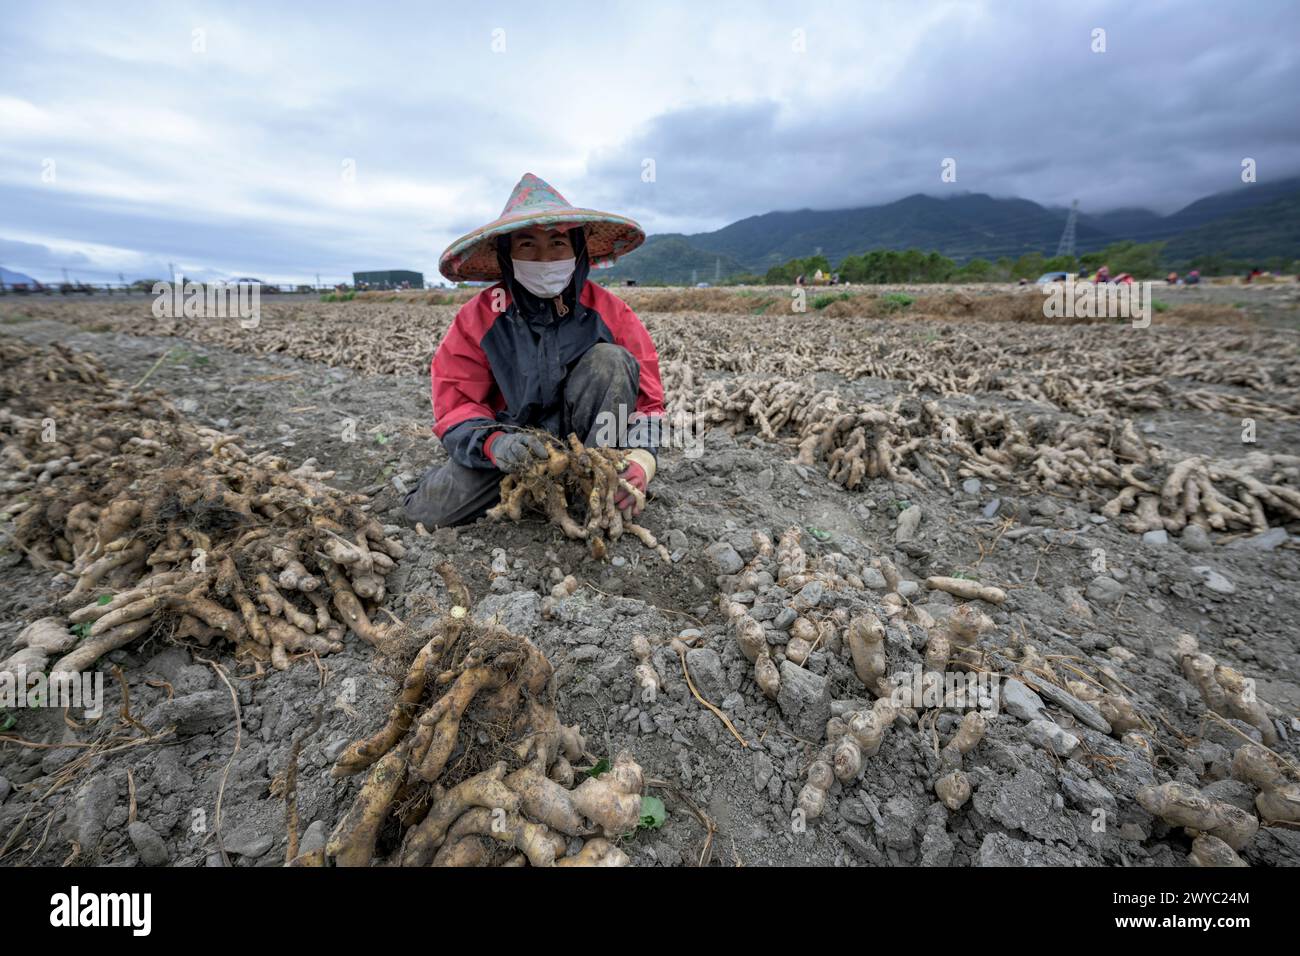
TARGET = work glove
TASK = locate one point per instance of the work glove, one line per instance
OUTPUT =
(636, 475)
(514, 451)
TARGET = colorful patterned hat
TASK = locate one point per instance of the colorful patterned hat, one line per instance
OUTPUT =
(534, 202)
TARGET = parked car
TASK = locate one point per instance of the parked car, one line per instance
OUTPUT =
(1049, 277)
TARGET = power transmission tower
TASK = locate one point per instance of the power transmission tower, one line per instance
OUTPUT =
(1066, 246)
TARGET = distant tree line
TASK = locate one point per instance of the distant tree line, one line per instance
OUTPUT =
(888, 266)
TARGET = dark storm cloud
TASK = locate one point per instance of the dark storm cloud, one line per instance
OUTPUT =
(229, 160)
(1164, 116)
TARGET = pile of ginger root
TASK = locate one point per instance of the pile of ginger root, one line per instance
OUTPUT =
(437, 794)
(591, 476)
(1102, 461)
(154, 525)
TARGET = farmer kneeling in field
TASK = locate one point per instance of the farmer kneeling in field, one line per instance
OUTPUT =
(542, 348)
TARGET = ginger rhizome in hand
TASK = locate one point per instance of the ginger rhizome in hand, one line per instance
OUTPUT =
(574, 474)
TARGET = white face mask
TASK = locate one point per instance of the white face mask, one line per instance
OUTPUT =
(544, 279)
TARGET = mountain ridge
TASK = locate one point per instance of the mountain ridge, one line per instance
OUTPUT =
(966, 226)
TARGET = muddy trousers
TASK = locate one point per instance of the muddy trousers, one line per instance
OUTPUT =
(604, 379)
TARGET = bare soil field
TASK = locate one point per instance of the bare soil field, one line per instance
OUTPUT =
(1097, 521)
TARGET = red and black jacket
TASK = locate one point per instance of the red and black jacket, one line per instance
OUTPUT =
(498, 367)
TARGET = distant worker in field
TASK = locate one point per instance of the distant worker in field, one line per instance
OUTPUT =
(541, 348)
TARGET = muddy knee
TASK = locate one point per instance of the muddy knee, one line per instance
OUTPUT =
(451, 495)
(605, 364)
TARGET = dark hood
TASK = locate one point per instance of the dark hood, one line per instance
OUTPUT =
(530, 306)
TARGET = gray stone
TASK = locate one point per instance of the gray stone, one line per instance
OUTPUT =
(999, 849)
(169, 662)
(908, 588)
(1156, 539)
(809, 596)
(1104, 591)
(1087, 795)
(519, 612)
(1051, 736)
(193, 678)
(193, 713)
(6, 788)
(971, 486)
(169, 776)
(873, 579)
(1240, 795)
(784, 619)
(1021, 702)
(900, 815)
(991, 508)
(936, 847)
(908, 521)
(1230, 736)
(88, 815)
(705, 667)
(313, 838)
(763, 771)
(1025, 802)
(1194, 538)
(248, 841)
(853, 810)
(805, 700)
(335, 747)
(724, 558)
(150, 846)
(1081, 711)
(1271, 539)
(56, 760)
(1215, 581)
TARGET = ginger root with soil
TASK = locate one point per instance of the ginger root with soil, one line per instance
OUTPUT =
(575, 473)
(438, 795)
(159, 526)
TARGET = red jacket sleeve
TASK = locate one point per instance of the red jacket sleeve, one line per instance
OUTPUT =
(631, 334)
(462, 386)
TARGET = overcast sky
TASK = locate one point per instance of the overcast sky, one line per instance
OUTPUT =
(280, 141)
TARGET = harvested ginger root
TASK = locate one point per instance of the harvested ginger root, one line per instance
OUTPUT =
(592, 475)
(475, 766)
